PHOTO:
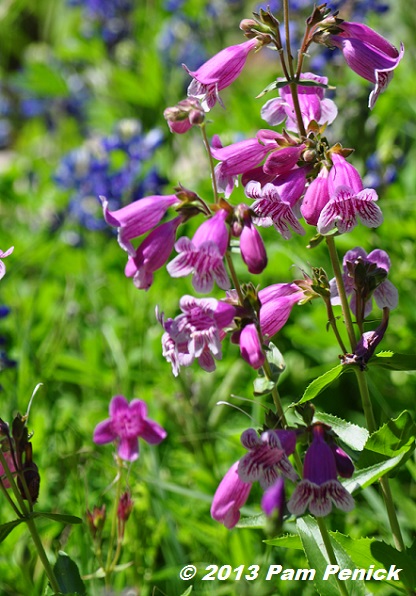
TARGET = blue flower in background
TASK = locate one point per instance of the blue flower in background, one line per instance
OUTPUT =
(111, 166)
(110, 17)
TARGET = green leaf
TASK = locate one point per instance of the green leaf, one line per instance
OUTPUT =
(61, 517)
(351, 434)
(396, 437)
(67, 575)
(188, 591)
(364, 477)
(393, 361)
(291, 541)
(5, 529)
(271, 87)
(321, 383)
(370, 551)
(318, 559)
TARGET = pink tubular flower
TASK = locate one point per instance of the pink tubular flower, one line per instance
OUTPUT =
(270, 208)
(369, 55)
(196, 333)
(277, 302)
(9, 459)
(238, 158)
(348, 200)
(267, 458)
(250, 346)
(3, 255)
(313, 105)
(218, 73)
(137, 218)
(152, 254)
(230, 496)
(252, 248)
(126, 424)
(320, 487)
(203, 256)
(274, 498)
(316, 197)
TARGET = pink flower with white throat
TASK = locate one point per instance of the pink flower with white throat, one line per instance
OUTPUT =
(369, 55)
(204, 255)
(196, 333)
(218, 73)
(312, 102)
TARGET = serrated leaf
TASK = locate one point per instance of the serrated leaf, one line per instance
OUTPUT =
(318, 385)
(255, 521)
(367, 476)
(67, 575)
(392, 361)
(318, 559)
(351, 434)
(395, 437)
(61, 517)
(291, 541)
(5, 529)
(370, 551)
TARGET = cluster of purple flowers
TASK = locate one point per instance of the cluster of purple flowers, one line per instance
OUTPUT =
(111, 166)
(111, 18)
(267, 463)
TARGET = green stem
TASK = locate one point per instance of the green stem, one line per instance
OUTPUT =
(234, 277)
(42, 555)
(9, 499)
(211, 162)
(108, 567)
(384, 481)
(332, 321)
(330, 551)
(341, 291)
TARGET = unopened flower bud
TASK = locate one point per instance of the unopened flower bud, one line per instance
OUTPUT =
(96, 520)
(125, 507)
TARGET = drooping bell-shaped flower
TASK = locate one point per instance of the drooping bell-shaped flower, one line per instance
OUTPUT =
(204, 255)
(137, 218)
(250, 345)
(277, 302)
(316, 197)
(368, 54)
(267, 458)
(271, 209)
(152, 253)
(219, 72)
(348, 201)
(320, 487)
(230, 496)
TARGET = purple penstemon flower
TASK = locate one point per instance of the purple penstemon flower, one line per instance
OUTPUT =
(271, 209)
(137, 218)
(267, 458)
(196, 333)
(320, 487)
(348, 201)
(250, 345)
(369, 55)
(372, 268)
(152, 253)
(128, 422)
(313, 105)
(204, 255)
(277, 302)
(230, 496)
(218, 73)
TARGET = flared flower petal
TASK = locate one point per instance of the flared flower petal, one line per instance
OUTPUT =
(345, 208)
